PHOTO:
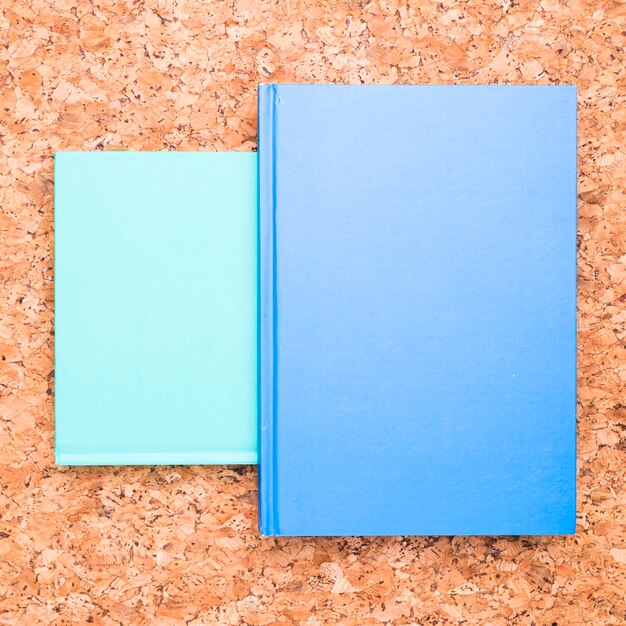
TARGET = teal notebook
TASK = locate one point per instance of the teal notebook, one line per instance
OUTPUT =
(155, 308)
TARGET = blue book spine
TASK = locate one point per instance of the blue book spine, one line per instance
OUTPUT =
(266, 309)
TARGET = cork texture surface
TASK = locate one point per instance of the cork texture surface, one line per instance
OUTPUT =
(176, 546)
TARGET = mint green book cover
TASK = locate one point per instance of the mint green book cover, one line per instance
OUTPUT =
(155, 308)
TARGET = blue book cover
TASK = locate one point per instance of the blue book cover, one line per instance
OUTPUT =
(417, 297)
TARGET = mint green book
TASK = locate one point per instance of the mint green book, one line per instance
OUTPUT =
(155, 308)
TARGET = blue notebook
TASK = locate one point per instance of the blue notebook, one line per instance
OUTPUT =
(155, 308)
(417, 310)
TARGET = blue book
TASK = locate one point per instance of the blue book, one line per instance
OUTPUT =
(417, 310)
(155, 308)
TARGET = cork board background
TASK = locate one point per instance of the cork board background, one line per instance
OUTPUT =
(178, 545)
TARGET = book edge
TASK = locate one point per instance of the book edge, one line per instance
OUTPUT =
(154, 458)
(266, 311)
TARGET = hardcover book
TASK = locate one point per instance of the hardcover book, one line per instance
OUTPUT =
(417, 310)
(155, 308)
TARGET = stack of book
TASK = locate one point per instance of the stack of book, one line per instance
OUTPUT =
(379, 308)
